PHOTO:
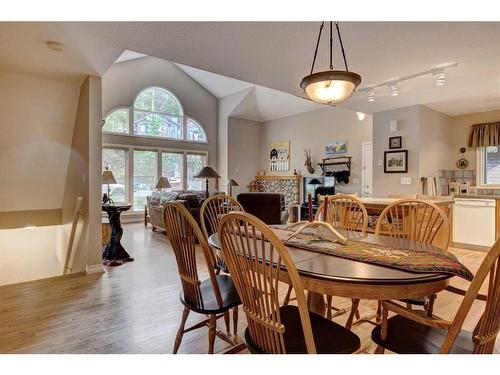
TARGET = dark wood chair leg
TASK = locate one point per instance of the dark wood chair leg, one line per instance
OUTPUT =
(329, 307)
(287, 297)
(211, 333)
(235, 320)
(354, 308)
(180, 332)
(227, 322)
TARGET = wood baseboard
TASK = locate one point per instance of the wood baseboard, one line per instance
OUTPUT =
(94, 268)
(470, 247)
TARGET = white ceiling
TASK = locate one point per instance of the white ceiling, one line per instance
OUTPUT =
(261, 103)
(278, 54)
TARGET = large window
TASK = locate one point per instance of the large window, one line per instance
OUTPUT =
(154, 136)
(194, 163)
(116, 161)
(489, 166)
(155, 112)
(117, 121)
(145, 176)
(172, 167)
(144, 168)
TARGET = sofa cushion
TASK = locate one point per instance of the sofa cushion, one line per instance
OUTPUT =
(192, 199)
(168, 196)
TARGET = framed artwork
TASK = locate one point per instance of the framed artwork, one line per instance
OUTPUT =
(396, 161)
(336, 147)
(394, 142)
(279, 156)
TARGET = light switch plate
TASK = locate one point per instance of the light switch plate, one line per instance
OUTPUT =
(380, 162)
(355, 180)
(405, 180)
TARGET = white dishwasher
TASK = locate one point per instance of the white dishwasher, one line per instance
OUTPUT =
(474, 221)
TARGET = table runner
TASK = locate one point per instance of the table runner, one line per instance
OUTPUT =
(423, 260)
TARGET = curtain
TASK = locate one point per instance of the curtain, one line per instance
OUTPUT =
(483, 135)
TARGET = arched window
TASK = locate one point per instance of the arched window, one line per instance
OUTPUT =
(194, 131)
(155, 112)
(158, 113)
(117, 121)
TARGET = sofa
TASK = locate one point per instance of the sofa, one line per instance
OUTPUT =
(268, 207)
(191, 199)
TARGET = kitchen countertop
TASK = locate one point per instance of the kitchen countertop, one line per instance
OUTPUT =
(478, 196)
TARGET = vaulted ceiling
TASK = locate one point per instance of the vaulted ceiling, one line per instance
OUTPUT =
(278, 54)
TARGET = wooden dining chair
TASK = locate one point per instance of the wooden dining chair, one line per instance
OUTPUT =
(411, 332)
(343, 212)
(211, 212)
(215, 296)
(416, 220)
(258, 261)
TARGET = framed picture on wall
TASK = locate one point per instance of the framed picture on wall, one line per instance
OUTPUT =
(336, 147)
(396, 161)
(394, 142)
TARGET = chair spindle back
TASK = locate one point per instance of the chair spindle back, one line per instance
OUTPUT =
(344, 212)
(417, 220)
(257, 261)
(183, 232)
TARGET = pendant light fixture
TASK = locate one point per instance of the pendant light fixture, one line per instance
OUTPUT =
(330, 86)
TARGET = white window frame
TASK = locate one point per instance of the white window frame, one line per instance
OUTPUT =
(129, 164)
(184, 120)
(480, 172)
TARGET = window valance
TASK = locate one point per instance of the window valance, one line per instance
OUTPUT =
(484, 135)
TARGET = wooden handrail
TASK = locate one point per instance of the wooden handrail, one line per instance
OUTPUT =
(72, 235)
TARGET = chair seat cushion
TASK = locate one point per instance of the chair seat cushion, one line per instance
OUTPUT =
(406, 336)
(329, 337)
(228, 293)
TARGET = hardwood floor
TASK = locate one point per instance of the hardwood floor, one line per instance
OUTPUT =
(135, 308)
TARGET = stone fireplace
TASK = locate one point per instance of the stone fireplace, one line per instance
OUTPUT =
(289, 186)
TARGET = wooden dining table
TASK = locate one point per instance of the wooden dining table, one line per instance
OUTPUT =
(336, 276)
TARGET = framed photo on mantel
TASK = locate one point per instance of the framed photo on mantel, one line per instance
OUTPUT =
(396, 161)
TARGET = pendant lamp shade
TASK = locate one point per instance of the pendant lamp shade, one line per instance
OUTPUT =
(330, 86)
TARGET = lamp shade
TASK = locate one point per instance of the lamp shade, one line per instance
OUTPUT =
(163, 183)
(207, 172)
(107, 177)
(231, 182)
(314, 181)
(330, 87)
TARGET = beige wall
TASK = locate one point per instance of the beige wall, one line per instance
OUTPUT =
(243, 152)
(83, 177)
(409, 128)
(460, 127)
(435, 145)
(314, 129)
(122, 82)
(226, 106)
(37, 127)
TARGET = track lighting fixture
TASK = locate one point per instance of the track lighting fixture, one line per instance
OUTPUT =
(440, 81)
(394, 89)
